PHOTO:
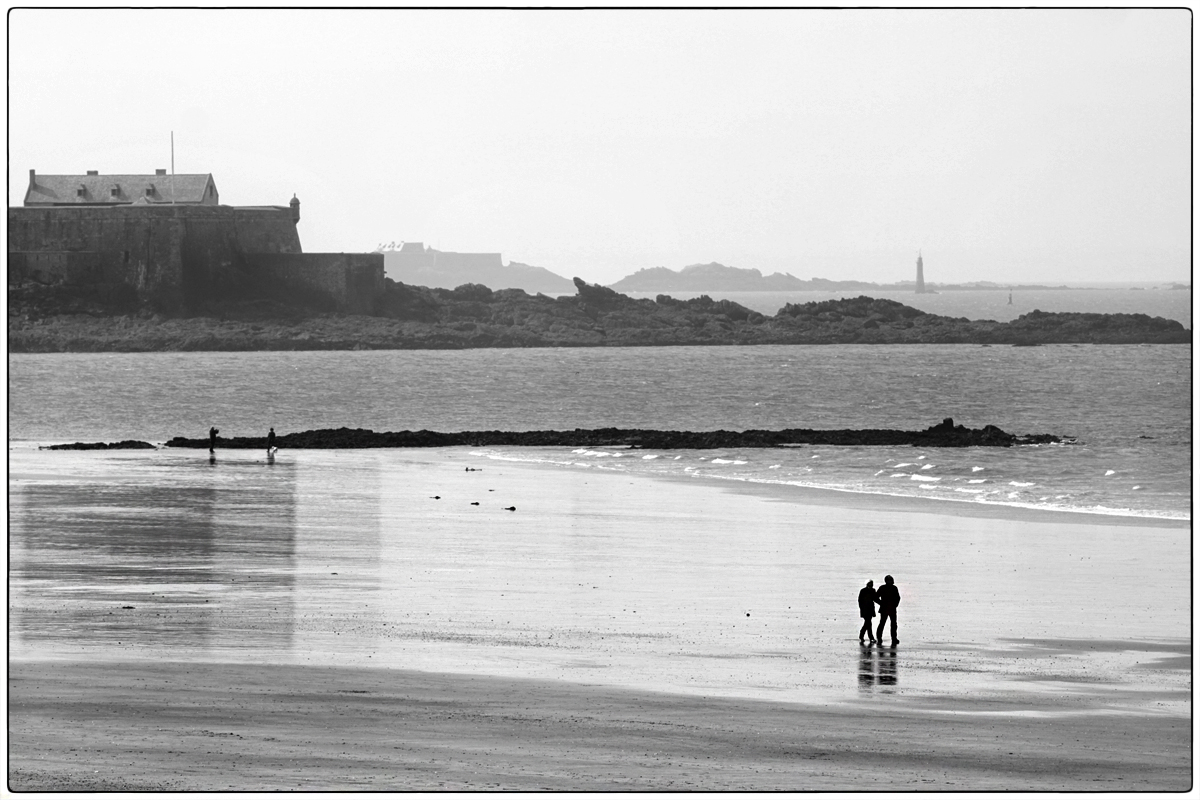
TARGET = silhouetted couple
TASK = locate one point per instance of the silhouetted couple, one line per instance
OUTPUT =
(888, 597)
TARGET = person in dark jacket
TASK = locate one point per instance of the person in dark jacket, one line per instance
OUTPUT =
(212, 439)
(866, 610)
(270, 440)
(888, 598)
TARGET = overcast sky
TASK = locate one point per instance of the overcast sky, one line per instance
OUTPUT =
(1033, 146)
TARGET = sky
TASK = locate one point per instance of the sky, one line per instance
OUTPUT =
(1035, 146)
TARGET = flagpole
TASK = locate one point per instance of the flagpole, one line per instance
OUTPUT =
(172, 167)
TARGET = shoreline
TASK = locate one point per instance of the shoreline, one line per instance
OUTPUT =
(779, 490)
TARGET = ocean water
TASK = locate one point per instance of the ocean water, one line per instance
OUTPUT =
(1128, 407)
(1173, 304)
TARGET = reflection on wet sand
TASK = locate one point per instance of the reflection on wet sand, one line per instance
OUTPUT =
(877, 668)
(165, 553)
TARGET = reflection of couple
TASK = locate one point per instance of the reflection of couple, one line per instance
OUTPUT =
(888, 597)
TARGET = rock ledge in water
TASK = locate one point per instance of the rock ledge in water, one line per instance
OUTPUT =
(946, 434)
(127, 444)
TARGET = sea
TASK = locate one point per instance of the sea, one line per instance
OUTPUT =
(561, 563)
(1126, 409)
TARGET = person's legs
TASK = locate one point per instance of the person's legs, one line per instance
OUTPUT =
(884, 616)
(865, 630)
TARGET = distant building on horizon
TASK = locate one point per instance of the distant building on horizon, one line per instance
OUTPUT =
(920, 274)
(416, 264)
(413, 258)
(94, 189)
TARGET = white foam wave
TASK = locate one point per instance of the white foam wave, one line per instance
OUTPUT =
(975, 496)
(1019, 483)
(977, 469)
(1110, 472)
(923, 478)
(900, 475)
(978, 480)
(905, 464)
(777, 466)
(647, 458)
(928, 466)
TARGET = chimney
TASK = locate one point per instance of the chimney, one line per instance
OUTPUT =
(160, 172)
(295, 204)
(93, 172)
(32, 178)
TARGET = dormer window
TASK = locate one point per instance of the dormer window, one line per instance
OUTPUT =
(115, 191)
(81, 191)
(150, 190)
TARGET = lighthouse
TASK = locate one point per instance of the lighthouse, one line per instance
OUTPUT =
(920, 274)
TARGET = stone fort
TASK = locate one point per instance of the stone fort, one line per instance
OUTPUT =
(166, 241)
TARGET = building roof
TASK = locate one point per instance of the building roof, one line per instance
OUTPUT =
(98, 189)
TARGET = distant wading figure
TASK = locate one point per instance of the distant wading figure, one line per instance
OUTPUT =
(888, 598)
(212, 439)
(866, 610)
(270, 440)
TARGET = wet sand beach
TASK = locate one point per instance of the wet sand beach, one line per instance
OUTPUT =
(198, 726)
(350, 619)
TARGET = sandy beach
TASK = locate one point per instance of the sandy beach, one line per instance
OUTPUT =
(342, 620)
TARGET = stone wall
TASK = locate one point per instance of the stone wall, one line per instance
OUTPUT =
(170, 256)
(350, 283)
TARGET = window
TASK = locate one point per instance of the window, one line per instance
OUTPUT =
(81, 191)
(150, 190)
(115, 191)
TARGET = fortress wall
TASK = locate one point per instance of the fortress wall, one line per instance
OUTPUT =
(64, 267)
(170, 256)
(140, 250)
(346, 282)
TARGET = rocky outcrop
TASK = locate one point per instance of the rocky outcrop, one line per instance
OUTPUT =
(945, 434)
(127, 444)
(472, 315)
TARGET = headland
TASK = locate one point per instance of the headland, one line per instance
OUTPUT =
(135, 270)
(472, 316)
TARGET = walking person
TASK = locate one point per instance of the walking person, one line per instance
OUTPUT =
(270, 441)
(866, 610)
(888, 598)
(212, 439)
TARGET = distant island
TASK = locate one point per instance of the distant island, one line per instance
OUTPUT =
(401, 316)
(714, 277)
(415, 263)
